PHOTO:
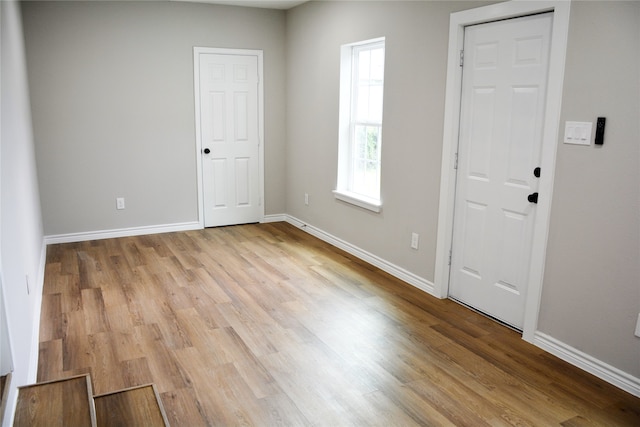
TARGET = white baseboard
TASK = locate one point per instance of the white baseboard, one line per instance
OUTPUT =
(588, 363)
(274, 218)
(396, 271)
(122, 232)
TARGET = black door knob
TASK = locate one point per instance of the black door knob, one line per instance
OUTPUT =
(207, 151)
(533, 198)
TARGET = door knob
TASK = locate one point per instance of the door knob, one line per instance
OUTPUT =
(533, 198)
(207, 151)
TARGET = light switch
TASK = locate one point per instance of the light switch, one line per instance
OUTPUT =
(578, 133)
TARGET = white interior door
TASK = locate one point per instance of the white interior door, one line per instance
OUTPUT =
(230, 138)
(501, 122)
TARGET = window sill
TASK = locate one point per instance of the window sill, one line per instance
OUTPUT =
(358, 200)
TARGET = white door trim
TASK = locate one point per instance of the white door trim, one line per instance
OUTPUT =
(458, 21)
(197, 51)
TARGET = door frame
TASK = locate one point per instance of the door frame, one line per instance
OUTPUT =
(557, 55)
(197, 51)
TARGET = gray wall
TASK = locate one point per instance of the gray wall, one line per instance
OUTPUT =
(415, 73)
(591, 290)
(20, 223)
(113, 106)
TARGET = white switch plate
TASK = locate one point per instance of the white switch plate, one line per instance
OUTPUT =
(120, 203)
(638, 327)
(578, 133)
(414, 240)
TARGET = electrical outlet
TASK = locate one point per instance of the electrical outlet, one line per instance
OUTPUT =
(414, 240)
(306, 199)
(638, 327)
(120, 203)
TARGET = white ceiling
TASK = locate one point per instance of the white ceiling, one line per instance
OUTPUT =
(267, 4)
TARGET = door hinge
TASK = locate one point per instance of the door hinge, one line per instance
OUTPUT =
(449, 256)
(455, 161)
(461, 58)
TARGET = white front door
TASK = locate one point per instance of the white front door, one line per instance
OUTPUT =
(230, 138)
(501, 123)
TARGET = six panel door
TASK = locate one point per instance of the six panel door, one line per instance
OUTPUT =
(501, 121)
(230, 139)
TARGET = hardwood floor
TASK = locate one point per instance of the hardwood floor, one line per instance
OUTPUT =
(137, 406)
(267, 325)
(58, 403)
(5, 382)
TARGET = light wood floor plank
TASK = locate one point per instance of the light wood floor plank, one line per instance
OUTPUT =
(56, 404)
(264, 324)
(136, 406)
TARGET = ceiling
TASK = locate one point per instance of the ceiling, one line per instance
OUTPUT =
(267, 4)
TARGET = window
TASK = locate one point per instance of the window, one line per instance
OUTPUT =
(360, 138)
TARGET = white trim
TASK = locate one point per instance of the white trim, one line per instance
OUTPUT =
(274, 218)
(358, 200)
(197, 51)
(32, 373)
(557, 56)
(347, 121)
(121, 232)
(588, 363)
(396, 271)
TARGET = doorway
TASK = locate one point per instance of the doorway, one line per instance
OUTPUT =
(460, 22)
(501, 120)
(229, 129)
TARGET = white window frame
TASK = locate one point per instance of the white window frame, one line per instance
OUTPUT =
(347, 123)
